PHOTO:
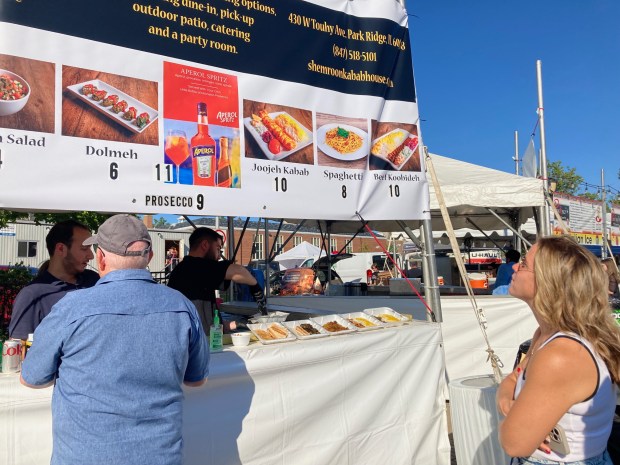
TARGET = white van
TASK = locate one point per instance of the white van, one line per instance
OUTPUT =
(353, 268)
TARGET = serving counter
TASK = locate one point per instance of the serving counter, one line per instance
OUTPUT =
(361, 398)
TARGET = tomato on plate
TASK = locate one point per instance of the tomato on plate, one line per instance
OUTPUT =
(274, 146)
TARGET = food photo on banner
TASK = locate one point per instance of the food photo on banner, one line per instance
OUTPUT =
(105, 106)
(278, 133)
(342, 142)
(27, 96)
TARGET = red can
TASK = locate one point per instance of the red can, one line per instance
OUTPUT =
(11, 356)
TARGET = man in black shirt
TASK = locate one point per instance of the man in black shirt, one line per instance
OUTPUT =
(66, 271)
(201, 273)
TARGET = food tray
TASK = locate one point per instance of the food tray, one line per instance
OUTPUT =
(272, 317)
(265, 148)
(332, 152)
(292, 324)
(407, 135)
(118, 117)
(321, 320)
(264, 326)
(376, 323)
(375, 312)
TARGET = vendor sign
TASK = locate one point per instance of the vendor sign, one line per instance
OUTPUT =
(267, 108)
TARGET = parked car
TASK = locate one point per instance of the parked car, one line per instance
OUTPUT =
(352, 268)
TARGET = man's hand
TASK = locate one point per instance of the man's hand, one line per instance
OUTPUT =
(259, 297)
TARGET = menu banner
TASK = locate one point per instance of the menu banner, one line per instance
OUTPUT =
(229, 107)
(583, 217)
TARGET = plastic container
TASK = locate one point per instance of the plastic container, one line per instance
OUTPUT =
(478, 280)
(240, 339)
(216, 334)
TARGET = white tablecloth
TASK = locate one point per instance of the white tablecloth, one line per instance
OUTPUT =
(369, 398)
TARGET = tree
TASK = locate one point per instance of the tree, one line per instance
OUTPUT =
(161, 223)
(90, 219)
(567, 179)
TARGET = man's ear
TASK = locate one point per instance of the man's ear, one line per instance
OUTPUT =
(101, 264)
(150, 256)
(60, 249)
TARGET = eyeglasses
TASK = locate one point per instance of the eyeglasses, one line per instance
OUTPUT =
(523, 266)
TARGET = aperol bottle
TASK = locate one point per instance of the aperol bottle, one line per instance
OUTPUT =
(224, 173)
(203, 151)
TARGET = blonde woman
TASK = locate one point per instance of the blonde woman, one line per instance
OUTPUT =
(570, 374)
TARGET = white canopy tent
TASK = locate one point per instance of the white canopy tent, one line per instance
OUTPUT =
(295, 256)
(469, 191)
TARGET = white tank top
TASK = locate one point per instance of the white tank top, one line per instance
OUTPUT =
(588, 423)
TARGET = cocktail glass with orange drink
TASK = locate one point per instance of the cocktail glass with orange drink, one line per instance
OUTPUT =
(177, 148)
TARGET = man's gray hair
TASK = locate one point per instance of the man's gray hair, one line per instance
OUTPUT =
(129, 262)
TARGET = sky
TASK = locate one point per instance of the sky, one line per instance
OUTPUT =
(475, 71)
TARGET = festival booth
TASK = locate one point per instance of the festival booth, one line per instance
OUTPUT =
(201, 109)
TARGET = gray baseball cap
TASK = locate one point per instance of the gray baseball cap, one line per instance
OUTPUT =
(118, 232)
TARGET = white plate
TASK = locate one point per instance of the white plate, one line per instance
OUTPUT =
(407, 135)
(254, 327)
(118, 117)
(321, 320)
(265, 147)
(332, 152)
(292, 324)
(377, 324)
(375, 312)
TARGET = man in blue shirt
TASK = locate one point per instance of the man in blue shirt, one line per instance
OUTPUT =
(64, 272)
(505, 271)
(118, 354)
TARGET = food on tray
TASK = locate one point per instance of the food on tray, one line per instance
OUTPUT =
(11, 89)
(396, 146)
(361, 322)
(274, 146)
(120, 106)
(142, 120)
(273, 331)
(399, 155)
(88, 89)
(264, 334)
(334, 326)
(291, 127)
(277, 331)
(130, 113)
(288, 143)
(306, 329)
(343, 141)
(98, 95)
(387, 318)
(357, 324)
(388, 143)
(110, 100)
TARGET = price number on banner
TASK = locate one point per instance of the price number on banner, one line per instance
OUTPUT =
(164, 172)
(113, 171)
(394, 190)
(280, 184)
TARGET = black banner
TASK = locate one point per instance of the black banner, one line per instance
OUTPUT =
(288, 40)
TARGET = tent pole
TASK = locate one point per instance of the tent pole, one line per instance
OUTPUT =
(484, 234)
(431, 289)
(517, 233)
